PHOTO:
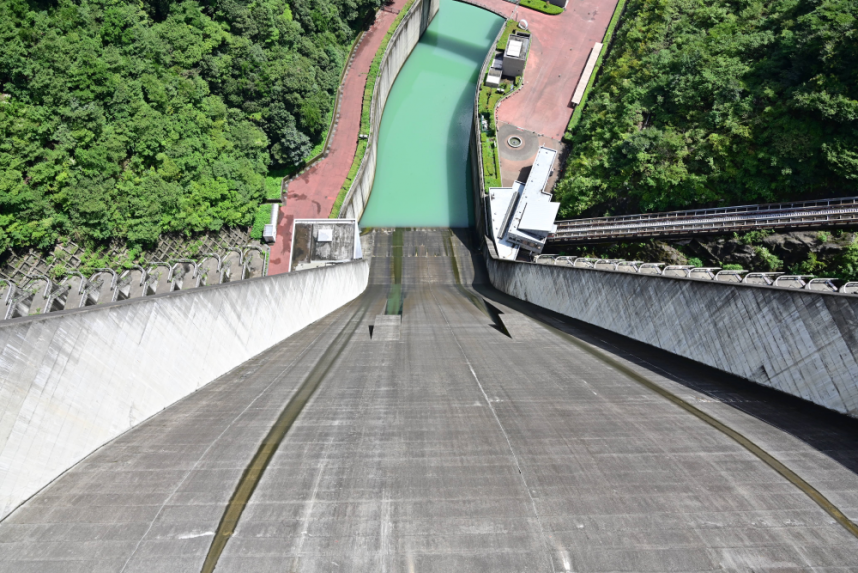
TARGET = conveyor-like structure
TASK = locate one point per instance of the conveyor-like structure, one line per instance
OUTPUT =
(799, 215)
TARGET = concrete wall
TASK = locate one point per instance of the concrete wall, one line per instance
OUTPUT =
(402, 43)
(73, 380)
(802, 343)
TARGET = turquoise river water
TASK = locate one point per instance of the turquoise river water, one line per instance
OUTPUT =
(423, 174)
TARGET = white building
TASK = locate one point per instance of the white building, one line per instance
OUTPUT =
(523, 215)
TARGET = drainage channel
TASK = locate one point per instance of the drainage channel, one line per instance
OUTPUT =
(258, 464)
(738, 437)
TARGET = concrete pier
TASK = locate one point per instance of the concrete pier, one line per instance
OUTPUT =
(491, 436)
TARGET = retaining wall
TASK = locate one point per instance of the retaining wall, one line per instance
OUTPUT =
(73, 380)
(802, 343)
(401, 45)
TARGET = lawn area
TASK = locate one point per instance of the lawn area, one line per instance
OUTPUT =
(491, 175)
(511, 26)
(489, 98)
(541, 6)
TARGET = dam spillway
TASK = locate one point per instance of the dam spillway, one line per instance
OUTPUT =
(492, 436)
(422, 178)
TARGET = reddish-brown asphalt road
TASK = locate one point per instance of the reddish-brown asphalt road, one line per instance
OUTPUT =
(313, 194)
(559, 51)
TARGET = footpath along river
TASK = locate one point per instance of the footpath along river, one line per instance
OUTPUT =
(423, 174)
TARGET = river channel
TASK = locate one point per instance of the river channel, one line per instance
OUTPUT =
(423, 177)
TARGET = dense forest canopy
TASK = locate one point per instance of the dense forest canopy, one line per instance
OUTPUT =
(123, 119)
(719, 102)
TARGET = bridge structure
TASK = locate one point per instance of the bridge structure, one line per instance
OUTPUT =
(435, 423)
(817, 214)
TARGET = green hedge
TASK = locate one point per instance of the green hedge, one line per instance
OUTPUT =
(541, 6)
(272, 186)
(609, 34)
(260, 219)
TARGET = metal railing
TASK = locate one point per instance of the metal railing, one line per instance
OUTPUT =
(796, 215)
(740, 276)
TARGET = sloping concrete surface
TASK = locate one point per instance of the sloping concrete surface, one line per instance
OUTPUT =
(455, 448)
(73, 380)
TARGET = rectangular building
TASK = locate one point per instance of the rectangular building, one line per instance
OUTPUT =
(515, 55)
(523, 215)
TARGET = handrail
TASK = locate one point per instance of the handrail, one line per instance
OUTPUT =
(819, 213)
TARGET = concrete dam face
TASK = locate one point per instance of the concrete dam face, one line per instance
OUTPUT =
(436, 424)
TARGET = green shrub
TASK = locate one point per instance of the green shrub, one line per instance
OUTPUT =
(732, 267)
(769, 259)
(694, 262)
(260, 219)
(810, 266)
(823, 236)
(753, 236)
(272, 188)
(541, 6)
(691, 112)
(846, 266)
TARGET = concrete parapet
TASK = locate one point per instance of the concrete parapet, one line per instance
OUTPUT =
(802, 343)
(402, 43)
(71, 381)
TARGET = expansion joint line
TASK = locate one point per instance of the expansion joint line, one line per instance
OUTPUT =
(271, 443)
(814, 494)
(503, 431)
(276, 379)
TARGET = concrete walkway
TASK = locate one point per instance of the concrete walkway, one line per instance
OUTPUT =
(312, 194)
(454, 448)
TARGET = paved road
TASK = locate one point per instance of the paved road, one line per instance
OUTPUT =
(312, 194)
(456, 448)
(557, 57)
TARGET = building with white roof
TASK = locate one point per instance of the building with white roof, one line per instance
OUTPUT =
(523, 215)
(515, 55)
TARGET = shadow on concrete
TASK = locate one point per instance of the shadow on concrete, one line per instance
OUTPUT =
(832, 434)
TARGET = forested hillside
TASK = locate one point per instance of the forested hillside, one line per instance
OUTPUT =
(122, 119)
(719, 102)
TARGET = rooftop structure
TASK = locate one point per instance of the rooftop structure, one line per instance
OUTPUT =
(502, 200)
(523, 215)
(321, 242)
(493, 78)
(534, 214)
(515, 55)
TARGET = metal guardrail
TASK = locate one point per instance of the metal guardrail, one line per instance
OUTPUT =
(799, 214)
(781, 280)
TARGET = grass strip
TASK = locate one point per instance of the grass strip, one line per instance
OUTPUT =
(609, 35)
(541, 6)
(366, 108)
(260, 219)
